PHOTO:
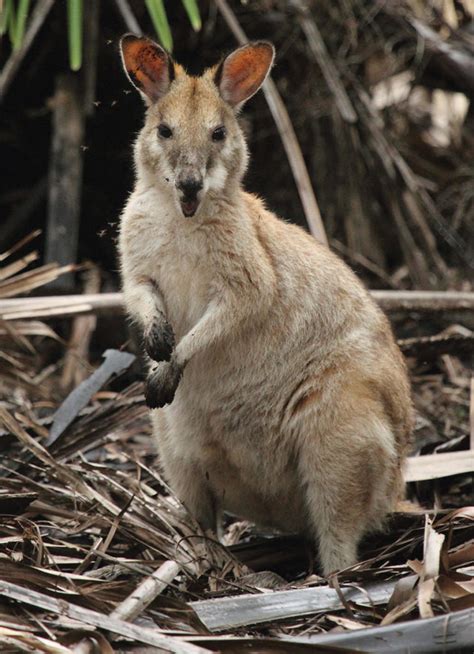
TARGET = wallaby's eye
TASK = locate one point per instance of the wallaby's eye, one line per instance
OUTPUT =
(219, 133)
(164, 131)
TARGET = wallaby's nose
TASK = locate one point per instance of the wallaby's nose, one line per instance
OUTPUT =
(190, 187)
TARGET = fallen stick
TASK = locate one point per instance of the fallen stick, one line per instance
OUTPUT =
(146, 592)
(27, 281)
(138, 634)
(137, 601)
(112, 303)
(444, 633)
(60, 306)
(436, 466)
(233, 612)
(424, 301)
(23, 641)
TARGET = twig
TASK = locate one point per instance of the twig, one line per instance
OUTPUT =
(425, 269)
(20, 244)
(359, 258)
(287, 135)
(128, 17)
(37, 19)
(416, 261)
(453, 63)
(112, 303)
(23, 641)
(145, 593)
(27, 281)
(328, 69)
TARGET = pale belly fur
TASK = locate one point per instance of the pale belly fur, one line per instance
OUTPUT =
(240, 483)
(232, 433)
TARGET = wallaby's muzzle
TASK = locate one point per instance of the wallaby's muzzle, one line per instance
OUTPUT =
(189, 194)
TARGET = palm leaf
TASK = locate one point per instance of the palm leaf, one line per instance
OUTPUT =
(192, 10)
(160, 22)
(5, 16)
(11, 22)
(74, 17)
(19, 29)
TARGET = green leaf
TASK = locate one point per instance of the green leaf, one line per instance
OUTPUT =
(19, 30)
(74, 19)
(4, 16)
(160, 22)
(192, 10)
(12, 23)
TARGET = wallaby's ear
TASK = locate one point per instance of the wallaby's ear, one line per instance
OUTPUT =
(243, 72)
(149, 68)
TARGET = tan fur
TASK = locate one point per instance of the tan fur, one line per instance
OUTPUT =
(294, 406)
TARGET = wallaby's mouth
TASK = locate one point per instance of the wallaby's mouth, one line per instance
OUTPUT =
(189, 206)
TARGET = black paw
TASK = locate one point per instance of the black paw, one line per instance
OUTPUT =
(159, 340)
(162, 383)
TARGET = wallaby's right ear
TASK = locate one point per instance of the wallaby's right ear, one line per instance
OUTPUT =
(149, 68)
(243, 72)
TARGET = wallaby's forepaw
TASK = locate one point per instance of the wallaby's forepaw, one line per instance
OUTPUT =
(159, 340)
(162, 383)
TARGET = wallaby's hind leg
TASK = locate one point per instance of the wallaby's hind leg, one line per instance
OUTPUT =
(334, 529)
(336, 539)
(193, 490)
(185, 475)
(348, 490)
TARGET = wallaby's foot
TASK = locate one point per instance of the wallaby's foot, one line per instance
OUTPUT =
(159, 340)
(337, 555)
(162, 383)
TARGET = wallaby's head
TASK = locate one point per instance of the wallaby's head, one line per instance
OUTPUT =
(191, 143)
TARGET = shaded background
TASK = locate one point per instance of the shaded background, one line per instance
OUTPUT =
(395, 186)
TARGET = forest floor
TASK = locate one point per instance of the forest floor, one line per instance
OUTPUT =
(96, 554)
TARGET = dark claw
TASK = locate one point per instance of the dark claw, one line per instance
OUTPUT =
(161, 384)
(159, 340)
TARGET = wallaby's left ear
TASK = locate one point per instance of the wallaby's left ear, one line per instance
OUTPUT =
(243, 72)
(149, 68)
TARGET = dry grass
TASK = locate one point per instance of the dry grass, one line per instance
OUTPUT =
(86, 518)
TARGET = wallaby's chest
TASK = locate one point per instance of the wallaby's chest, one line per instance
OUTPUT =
(181, 271)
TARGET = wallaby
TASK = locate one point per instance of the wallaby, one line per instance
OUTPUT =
(287, 398)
